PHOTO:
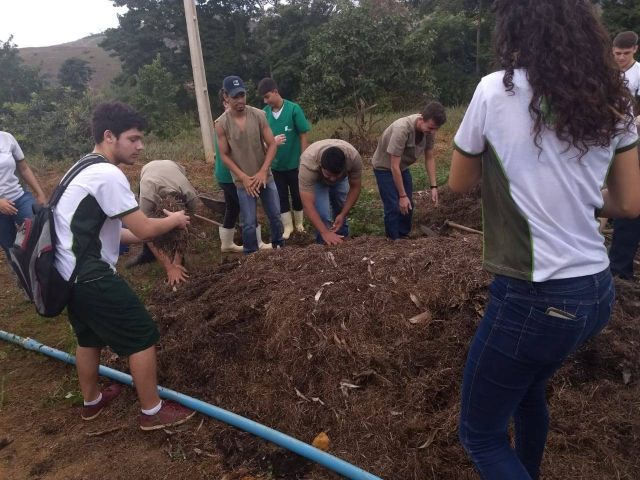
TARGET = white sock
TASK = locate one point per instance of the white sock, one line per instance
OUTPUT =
(152, 411)
(93, 402)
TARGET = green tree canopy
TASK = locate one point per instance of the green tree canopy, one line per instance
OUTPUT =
(17, 80)
(75, 74)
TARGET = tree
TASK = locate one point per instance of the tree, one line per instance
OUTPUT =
(621, 15)
(75, 74)
(283, 35)
(365, 53)
(17, 81)
(154, 94)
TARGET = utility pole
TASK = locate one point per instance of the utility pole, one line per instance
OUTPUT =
(200, 80)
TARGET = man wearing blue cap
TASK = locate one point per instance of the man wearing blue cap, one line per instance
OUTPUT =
(243, 133)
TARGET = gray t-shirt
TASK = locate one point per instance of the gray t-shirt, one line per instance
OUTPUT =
(399, 139)
(10, 155)
(310, 169)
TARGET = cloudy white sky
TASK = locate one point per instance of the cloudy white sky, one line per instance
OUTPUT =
(39, 23)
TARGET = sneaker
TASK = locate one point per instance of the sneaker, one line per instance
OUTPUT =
(170, 414)
(89, 412)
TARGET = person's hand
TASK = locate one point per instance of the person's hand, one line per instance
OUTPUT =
(405, 205)
(41, 199)
(181, 221)
(434, 196)
(176, 274)
(280, 139)
(7, 207)
(337, 223)
(260, 179)
(331, 238)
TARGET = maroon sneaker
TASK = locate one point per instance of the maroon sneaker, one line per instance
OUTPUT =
(89, 412)
(170, 414)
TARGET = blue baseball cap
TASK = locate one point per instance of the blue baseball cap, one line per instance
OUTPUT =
(233, 85)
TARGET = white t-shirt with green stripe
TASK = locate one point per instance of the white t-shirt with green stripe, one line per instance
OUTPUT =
(538, 205)
(88, 218)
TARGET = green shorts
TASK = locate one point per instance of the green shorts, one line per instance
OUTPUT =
(106, 312)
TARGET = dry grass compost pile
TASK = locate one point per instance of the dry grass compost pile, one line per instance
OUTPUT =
(464, 209)
(174, 240)
(319, 339)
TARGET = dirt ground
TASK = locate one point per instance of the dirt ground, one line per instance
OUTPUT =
(364, 342)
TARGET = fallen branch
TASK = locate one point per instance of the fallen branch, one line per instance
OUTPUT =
(104, 432)
(451, 224)
(205, 219)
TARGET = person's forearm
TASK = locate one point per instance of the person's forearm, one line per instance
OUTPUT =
(231, 165)
(352, 197)
(312, 214)
(31, 180)
(397, 180)
(155, 227)
(127, 237)
(304, 142)
(430, 167)
(614, 209)
(160, 255)
(269, 156)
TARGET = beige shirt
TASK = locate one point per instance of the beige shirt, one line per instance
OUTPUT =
(399, 139)
(310, 170)
(160, 178)
(246, 147)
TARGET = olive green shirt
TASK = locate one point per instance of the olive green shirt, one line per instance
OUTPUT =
(399, 139)
(246, 147)
(310, 170)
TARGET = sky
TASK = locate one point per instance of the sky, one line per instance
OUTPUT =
(40, 23)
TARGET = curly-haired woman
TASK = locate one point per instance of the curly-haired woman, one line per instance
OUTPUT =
(544, 135)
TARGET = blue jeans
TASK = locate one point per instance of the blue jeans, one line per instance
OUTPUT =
(329, 203)
(515, 351)
(271, 206)
(626, 237)
(396, 224)
(8, 223)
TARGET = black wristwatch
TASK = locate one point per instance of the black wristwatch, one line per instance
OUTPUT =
(434, 186)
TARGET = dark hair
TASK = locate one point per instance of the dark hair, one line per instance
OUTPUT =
(333, 160)
(577, 88)
(626, 40)
(267, 85)
(221, 93)
(434, 111)
(116, 117)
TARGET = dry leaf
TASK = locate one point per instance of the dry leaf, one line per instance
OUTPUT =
(321, 442)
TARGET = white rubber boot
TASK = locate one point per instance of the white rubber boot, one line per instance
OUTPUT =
(226, 240)
(287, 223)
(298, 219)
(261, 246)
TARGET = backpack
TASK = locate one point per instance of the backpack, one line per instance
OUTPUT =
(33, 253)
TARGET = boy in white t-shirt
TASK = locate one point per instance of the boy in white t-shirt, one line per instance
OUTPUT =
(103, 309)
(626, 231)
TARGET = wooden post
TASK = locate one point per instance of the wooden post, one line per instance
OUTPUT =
(200, 80)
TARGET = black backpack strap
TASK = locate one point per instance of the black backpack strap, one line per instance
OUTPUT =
(83, 163)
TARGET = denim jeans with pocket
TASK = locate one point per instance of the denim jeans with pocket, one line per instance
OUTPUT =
(8, 230)
(329, 201)
(396, 225)
(527, 332)
(248, 206)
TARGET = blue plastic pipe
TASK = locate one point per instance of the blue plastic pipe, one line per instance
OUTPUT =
(285, 441)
